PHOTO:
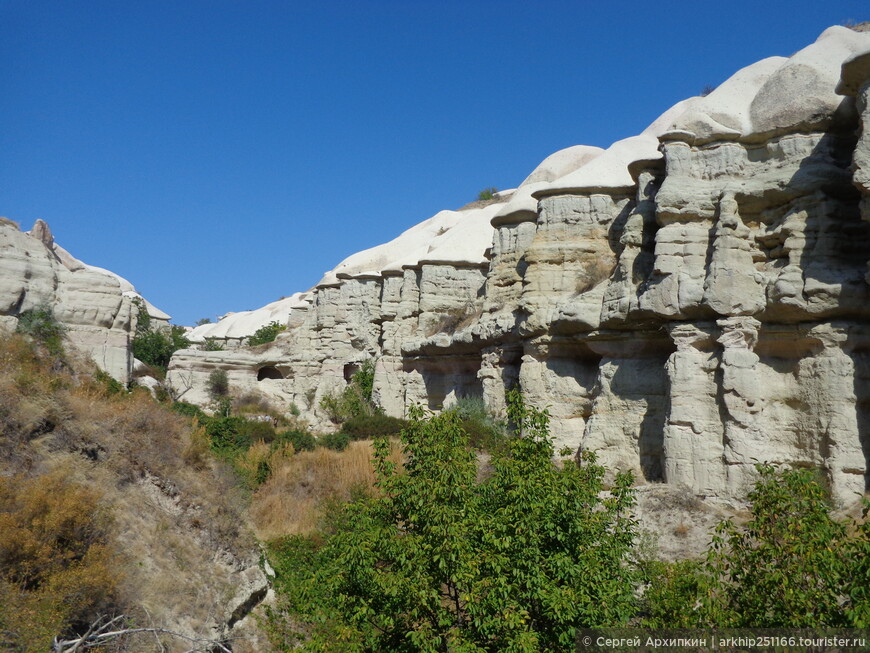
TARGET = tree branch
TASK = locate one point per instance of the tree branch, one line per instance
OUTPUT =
(98, 635)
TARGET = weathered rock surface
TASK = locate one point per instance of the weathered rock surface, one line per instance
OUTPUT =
(688, 302)
(95, 305)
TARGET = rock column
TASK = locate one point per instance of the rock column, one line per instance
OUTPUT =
(692, 439)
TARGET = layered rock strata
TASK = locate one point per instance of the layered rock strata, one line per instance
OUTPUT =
(686, 303)
(95, 306)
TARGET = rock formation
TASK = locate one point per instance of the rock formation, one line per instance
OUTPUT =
(95, 306)
(687, 302)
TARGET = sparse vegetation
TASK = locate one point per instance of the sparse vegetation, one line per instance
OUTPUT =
(487, 194)
(356, 399)
(212, 344)
(83, 466)
(40, 324)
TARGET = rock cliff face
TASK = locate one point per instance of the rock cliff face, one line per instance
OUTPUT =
(687, 302)
(95, 305)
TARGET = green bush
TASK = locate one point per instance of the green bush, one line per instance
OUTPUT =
(111, 385)
(439, 560)
(484, 431)
(189, 410)
(356, 399)
(211, 344)
(40, 324)
(368, 427)
(265, 334)
(791, 566)
(226, 433)
(253, 430)
(337, 441)
(301, 440)
(487, 194)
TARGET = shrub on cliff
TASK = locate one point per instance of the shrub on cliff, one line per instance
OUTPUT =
(439, 560)
(356, 399)
(40, 324)
(265, 334)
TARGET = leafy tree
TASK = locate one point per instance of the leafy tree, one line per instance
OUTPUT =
(203, 320)
(439, 560)
(266, 333)
(785, 568)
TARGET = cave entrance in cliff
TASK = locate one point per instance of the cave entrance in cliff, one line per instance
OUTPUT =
(349, 370)
(269, 372)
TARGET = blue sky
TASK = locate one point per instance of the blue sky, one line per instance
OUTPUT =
(221, 154)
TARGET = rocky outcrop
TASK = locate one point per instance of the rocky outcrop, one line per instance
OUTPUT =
(95, 306)
(688, 302)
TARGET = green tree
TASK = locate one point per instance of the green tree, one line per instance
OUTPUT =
(440, 560)
(785, 568)
(152, 345)
(790, 566)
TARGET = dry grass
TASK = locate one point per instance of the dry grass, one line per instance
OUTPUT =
(292, 500)
(178, 519)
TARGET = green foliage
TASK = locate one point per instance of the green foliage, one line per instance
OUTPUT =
(211, 344)
(487, 194)
(301, 440)
(184, 408)
(856, 551)
(785, 567)
(40, 324)
(218, 384)
(203, 320)
(439, 560)
(671, 596)
(266, 333)
(485, 432)
(110, 385)
(337, 441)
(368, 427)
(155, 346)
(356, 399)
(791, 566)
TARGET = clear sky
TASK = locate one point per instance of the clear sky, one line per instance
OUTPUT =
(221, 154)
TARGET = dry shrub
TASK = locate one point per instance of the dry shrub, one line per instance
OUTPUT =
(292, 500)
(56, 566)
